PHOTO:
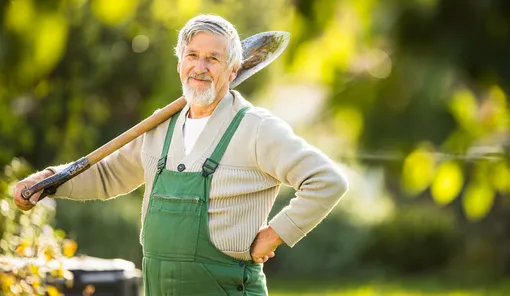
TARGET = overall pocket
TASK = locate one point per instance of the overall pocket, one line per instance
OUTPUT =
(171, 227)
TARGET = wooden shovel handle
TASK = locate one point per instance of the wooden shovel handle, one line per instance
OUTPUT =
(50, 184)
(137, 130)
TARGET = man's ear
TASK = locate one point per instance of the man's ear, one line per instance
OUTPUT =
(179, 68)
(233, 75)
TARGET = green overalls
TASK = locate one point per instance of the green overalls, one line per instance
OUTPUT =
(179, 257)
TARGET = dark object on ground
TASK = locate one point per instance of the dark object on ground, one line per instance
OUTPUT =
(105, 277)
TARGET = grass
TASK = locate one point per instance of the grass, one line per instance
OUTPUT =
(418, 286)
(391, 287)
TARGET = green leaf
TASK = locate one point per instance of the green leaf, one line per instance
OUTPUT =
(418, 171)
(477, 200)
(113, 12)
(447, 183)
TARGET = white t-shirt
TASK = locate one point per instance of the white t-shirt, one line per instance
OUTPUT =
(192, 129)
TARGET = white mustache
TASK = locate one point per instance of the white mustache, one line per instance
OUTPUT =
(199, 76)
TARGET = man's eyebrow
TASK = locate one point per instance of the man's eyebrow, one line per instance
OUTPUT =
(218, 56)
(212, 54)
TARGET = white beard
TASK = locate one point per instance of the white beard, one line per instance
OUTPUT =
(199, 98)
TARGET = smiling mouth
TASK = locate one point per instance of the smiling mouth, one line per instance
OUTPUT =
(198, 79)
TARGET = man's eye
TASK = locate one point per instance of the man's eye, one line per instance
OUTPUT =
(214, 59)
(193, 55)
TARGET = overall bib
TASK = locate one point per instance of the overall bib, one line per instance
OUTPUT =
(178, 255)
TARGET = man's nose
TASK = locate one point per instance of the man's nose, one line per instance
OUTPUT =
(201, 66)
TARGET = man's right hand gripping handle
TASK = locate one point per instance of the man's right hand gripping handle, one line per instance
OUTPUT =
(28, 182)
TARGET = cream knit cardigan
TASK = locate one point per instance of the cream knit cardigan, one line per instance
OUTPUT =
(263, 153)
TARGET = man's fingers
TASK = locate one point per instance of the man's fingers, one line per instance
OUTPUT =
(271, 255)
(258, 260)
(35, 198)
(262, 259)
(17, 191)
(19, 201)
(23, 204)
(18, 188)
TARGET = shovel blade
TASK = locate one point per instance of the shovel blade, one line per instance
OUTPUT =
(260, 50)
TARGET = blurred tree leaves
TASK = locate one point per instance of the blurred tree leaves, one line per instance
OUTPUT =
(478, 200)
(422, 76)
(113, 12)
(418, 171)
(447, 183)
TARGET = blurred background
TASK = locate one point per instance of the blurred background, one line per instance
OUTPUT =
(408, 97)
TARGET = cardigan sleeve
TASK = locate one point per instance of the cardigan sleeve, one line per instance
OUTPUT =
(119, 173)
(318, 182)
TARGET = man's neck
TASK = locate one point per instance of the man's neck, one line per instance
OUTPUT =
(196, 111)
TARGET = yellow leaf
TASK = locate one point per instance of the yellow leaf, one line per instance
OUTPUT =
(69, 247)
(60, 271)
(500, 177)
(36, 283)
(52, 291)
(463, 106)
(33, 269)
(49, 41)
(447, 183)
(48, 254)
(494, 111)
(8, 280)
(418, 171)
(19, 15)
(22, 248)
(478, 200)
(60, 233)
(111, 12)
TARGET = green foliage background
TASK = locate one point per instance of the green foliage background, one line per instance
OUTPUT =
(410, 95)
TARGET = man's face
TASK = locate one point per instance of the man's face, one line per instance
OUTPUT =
(204, 71)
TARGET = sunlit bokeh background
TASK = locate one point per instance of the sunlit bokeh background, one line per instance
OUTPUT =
(410, 98)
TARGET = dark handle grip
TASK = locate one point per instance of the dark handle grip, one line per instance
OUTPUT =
(50, 184)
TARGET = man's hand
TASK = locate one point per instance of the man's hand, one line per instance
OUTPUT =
(31, 180)
(265, 244)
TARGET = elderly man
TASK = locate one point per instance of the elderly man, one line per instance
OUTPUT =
(212, 173)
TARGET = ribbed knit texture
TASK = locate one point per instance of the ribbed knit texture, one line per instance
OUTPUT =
(263, 154)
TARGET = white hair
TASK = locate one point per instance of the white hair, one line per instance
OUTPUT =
(215, 25)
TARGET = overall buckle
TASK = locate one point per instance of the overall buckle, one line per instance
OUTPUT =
(161, 164)
(209, 167)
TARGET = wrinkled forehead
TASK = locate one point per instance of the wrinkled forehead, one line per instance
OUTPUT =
(207, 42)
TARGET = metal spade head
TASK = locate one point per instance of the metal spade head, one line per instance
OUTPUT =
(259, 51)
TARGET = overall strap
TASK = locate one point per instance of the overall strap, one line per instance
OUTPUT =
(212, 162)
(168, 139)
